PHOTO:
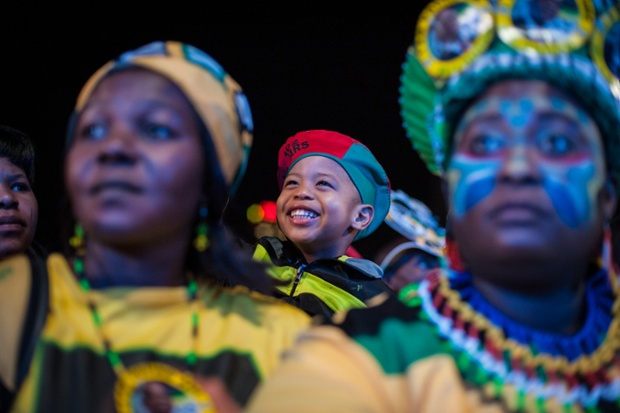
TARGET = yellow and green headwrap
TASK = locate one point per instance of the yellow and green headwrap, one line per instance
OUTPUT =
(461, 47)
(214, 94)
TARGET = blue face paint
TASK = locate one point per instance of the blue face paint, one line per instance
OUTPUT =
(526, 105)
(570, 192)
(503, 107)
(562, 202)
(478, 190)
(470, 181)
(558, 103)
(520, 114)
(548, 139)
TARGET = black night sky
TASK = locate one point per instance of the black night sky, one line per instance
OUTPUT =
(306, 65)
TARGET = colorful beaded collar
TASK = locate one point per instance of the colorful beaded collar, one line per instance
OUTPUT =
(530, 369)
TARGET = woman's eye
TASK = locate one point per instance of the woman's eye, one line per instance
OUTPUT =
(20, 187)
(290, 182)
(555, 145)
(483, 145)
(324, 183)
(94, 131)
(157, 131)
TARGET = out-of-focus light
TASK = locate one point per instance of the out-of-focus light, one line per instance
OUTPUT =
(269, 211)
(264, 211)
(254, 213)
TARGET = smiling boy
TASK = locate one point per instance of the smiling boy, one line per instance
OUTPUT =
(333, 191)
(525, 315)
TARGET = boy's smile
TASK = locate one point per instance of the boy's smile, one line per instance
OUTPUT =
(300, 215)
(317, 207)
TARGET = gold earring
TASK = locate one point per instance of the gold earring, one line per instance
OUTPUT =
(77, 240)
(201, 241)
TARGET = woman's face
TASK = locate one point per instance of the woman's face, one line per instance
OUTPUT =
(134, 171)
(527, 177)
(19, 210)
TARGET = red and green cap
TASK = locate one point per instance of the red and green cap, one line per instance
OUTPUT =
(356, 159)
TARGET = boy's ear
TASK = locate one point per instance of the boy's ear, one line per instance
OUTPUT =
(364, 214)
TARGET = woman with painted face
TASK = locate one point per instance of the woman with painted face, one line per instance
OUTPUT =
(154, 290)
(526, 316)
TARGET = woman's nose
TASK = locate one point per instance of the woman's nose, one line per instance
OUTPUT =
(8, 200)
(521, 164)
(118, 147)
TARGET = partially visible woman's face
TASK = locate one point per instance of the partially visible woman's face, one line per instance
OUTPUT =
(134, 171)
(19, 210)
(527, 172)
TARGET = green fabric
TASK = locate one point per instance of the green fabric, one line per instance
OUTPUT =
(398, 335)
(417, 109)
(372, 183)
(69, 371)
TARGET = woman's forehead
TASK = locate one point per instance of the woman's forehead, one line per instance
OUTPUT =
(526, 88)
(526, 100)
(137, 80)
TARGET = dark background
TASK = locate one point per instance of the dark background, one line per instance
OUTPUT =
(307, 65)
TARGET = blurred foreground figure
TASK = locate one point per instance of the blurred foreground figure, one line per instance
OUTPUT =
(527, 316)
(154, 290)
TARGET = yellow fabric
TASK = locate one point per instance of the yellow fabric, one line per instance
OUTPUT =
(144, 311)
(213, 99)
(15, 284)
(335, 298)
(328, 372)
(158, 319)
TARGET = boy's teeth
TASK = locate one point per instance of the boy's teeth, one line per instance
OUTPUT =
(300, 213)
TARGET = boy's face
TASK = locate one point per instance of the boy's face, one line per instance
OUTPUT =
(318, 207)
(527, 177)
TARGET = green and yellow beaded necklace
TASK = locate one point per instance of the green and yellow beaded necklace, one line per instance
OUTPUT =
(131, 379)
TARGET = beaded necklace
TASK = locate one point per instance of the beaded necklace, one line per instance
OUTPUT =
(131, 379)
(518, 371)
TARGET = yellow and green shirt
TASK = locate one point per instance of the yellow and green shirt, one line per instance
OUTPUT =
(324, 286)
(240, 336)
